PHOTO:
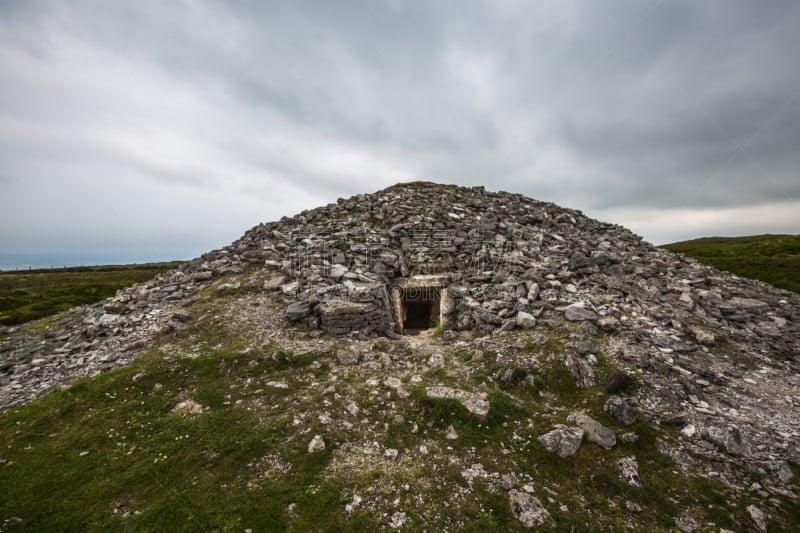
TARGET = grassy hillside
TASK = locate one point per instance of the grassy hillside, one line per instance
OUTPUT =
(34, 294)
(209, 430)
(771, 258)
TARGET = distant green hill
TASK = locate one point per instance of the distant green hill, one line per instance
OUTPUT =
(31, 295)
(771, 258)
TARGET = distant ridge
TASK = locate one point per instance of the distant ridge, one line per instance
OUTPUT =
(774, 259)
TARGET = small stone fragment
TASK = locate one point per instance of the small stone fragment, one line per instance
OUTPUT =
(633, 507)
(629, 470)
(317, 444)
(390, 453)
(189, 407)
(758, 517)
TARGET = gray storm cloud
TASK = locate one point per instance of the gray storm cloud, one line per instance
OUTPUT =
(178, 125)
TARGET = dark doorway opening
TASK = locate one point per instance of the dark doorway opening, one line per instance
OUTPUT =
(420, 308)
(418, 315)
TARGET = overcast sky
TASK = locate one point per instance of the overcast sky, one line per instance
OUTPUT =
(170, 127)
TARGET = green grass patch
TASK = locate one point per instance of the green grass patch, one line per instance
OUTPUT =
(109, 453)
(27, 296)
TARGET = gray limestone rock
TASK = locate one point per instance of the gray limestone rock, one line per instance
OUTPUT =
(527, 508)
(629, 471)
(298, 310)
(595, 431)
(525, 320)
(348, 358)
(579, 313)
(728, 439)
(622, 409)
(758, 517)
(475, 403)
(563, 441)
(316, 445)
(274, 283)
(581, 370)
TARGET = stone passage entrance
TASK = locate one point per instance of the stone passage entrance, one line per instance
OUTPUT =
(416, 302)
(421, 308)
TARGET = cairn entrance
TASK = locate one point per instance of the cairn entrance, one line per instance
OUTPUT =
(421, 308)
(416, 303)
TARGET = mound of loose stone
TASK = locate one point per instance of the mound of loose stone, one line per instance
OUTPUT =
(715, 355)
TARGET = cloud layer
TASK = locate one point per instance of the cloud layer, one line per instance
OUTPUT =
(169, 126)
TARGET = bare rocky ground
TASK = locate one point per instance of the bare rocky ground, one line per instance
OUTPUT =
(664, 396)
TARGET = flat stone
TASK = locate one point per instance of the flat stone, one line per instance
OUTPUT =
(728, 439)
(579, 313)
(348, 358)
(475, 403)
(289, 288)
(525, 320)
(595, 431)
(274, 283)
(297, 310)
